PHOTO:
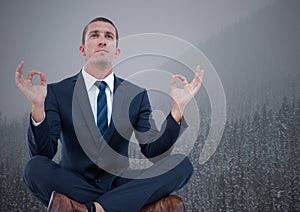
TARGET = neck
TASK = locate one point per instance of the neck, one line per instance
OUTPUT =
(99, 72)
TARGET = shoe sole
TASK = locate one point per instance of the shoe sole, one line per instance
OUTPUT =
(51, 201)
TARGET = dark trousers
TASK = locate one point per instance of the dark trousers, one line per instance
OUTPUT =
(42, 176)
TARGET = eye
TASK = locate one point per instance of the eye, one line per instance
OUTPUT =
(109, 37)
(94, 35)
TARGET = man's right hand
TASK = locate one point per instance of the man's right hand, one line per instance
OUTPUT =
(36, 94)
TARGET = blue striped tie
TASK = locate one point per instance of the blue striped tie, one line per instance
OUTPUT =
(102, 121)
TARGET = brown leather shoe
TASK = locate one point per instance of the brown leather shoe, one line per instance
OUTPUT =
(61, 203)
(167, 204)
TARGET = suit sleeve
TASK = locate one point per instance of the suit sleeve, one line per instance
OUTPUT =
(154, 142)
(43, 139)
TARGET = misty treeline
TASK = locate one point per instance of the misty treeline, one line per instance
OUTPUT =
(14, 154)
(256, 166)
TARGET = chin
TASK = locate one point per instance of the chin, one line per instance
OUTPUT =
(102, 63)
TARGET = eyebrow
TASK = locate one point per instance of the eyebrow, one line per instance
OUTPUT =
(107, 32)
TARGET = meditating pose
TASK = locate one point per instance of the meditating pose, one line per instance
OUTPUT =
(85, 113)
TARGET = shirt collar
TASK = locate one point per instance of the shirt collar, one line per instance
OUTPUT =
(90, 80)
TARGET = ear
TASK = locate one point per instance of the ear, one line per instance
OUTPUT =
(118, 52)
(82, 50)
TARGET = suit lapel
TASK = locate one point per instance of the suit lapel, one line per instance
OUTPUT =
(83, 119)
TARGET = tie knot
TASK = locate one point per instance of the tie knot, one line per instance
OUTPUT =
(101, 85)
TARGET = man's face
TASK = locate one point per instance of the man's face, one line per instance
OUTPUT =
(100, 44)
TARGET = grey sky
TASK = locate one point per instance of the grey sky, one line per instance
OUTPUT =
(47, 34)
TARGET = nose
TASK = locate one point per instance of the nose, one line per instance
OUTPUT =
(102, 41)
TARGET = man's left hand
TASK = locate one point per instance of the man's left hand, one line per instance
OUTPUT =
(181, 97)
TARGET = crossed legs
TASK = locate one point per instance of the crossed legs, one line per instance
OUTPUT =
(42, 176)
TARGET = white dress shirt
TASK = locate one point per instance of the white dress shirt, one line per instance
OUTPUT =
(93, 92)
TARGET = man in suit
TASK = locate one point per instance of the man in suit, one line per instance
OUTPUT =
(93, 172)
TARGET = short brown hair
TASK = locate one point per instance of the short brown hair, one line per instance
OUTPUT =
(101, 19)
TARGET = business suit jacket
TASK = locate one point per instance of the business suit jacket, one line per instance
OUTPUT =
(70, 119)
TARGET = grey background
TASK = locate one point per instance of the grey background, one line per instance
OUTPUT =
(253, 45)
(47, 34)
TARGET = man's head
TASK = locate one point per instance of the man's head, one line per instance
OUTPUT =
(99, 43)
(101, 19)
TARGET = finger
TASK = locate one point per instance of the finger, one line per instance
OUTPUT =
(182, 79)
(20, 67)
(197, 81)
(173, 83)
(43, 79)
(19, 73)
(31, 74)
(200, 75)
(197, 74)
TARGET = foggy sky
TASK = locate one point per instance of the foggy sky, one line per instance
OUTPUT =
(47, 34)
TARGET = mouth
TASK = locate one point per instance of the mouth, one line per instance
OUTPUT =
(101, 51)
